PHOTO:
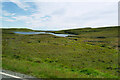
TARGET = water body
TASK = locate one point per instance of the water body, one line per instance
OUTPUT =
(27, 33)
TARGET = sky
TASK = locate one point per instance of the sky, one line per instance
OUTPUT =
(58, 15)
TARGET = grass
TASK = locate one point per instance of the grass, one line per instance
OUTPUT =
(90, 53)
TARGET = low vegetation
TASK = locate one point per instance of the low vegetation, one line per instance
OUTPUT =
(89, 53)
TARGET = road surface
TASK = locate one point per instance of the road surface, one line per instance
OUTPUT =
(9, 75)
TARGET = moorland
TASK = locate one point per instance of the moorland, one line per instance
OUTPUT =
(88, 53)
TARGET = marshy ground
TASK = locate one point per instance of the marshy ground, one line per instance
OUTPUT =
(89, 53)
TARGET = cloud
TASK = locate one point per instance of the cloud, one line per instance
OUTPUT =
(6, 16)
(21, 4)
(73, 15)
(24, 18)
(5, 13)
(65, 15)
(9, 20)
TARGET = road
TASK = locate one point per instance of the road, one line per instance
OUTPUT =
(9, 75)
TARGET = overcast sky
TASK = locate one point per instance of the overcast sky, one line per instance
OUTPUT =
(58, 15)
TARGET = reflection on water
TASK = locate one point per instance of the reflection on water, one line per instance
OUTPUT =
(61, 35)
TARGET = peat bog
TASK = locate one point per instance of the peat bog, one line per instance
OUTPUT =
(89, 53)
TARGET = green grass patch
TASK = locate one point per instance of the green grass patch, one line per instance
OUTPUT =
(90, 53)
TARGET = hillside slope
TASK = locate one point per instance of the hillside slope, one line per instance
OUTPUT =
(91, 53)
